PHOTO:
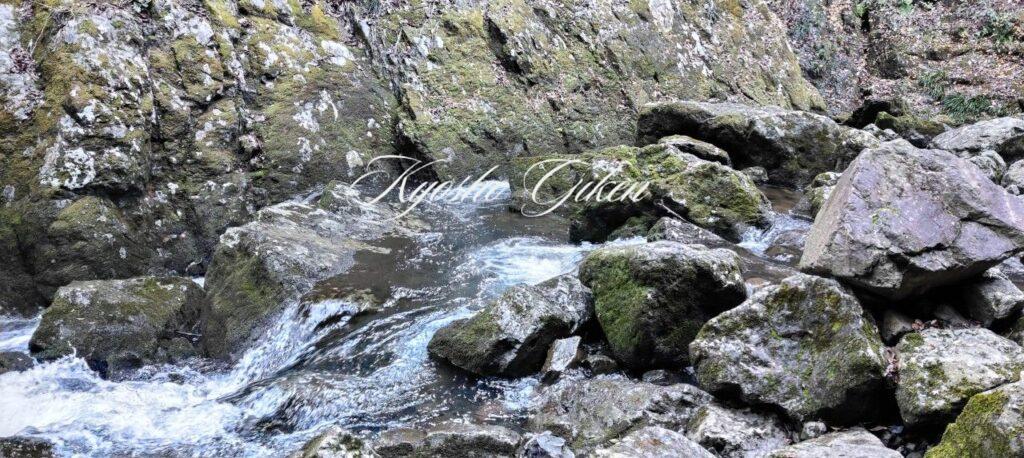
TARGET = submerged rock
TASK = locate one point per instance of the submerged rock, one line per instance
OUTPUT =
(449, 439)
(851, 443)
(730, 433)
(121, 324)
(991, 425)
(870, 232)
(335, 443)
(563, 355)
(593, 411)
(804, 345)
(991, 298)
(26, 447)
(793, 146)
(511, 336)
(654, 442)
(13, 361)
(1004, 136)
(818, 192)
(651, 299)
(940, 369)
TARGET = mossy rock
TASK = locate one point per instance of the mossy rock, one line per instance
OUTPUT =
(990, 426)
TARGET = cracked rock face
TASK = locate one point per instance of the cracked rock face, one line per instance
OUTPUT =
(804, 345)
(903, 220)
(940, 369)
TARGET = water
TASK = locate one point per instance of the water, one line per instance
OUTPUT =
(320, 364)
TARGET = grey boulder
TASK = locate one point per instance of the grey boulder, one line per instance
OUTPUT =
(334, 443)
(651, 299)
(940, 369)
(851, 443)
(804, 346)
(449, 439)
(1005, 136)
(654, 442)
(733, 433)
(903, 220)
(992, 297)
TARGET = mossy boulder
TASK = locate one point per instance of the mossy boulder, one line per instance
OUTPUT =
(116, 325)
(917, 131)
(805, 346)
(818, 193)
(990, 426)
(940, 369)
(335, 443)
(511, 335)
(651, 299)
(793, 146)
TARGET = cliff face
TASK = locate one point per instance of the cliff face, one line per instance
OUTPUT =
(961, 60)
(135, 133)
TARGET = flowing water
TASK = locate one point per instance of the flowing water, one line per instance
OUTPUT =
(321, 363)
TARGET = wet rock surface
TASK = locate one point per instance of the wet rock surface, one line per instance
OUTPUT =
(853, 443)
(736, 433)
(869, 233)
(449, 439)
(654, 442)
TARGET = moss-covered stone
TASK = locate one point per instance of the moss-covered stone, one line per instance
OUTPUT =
(991, 425)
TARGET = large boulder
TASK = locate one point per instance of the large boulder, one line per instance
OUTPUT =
(940, 369)
(990, 426)
(731, 433)
(804, 345)
(870, 232)
(992, 297)
(593, 411)
(651, 299)
(13, 361)
(1005, 136)
(120, 324)
(654, 442)
(449, 439)
(259, 268)
(851, 443)
(511, 335)
(794, 146)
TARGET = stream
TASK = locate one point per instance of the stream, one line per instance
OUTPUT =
(312, 369)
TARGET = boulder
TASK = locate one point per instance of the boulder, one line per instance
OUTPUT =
(992, 298)
(804, 346)
(794, 146)
(662, 377)
(730, 433)
(818, 192)
(870, 233)
(511, 336)
(702, 150)
(990, 163)
(851, 443)
(261, 267)
(1013, 179)
(121, 324)
(651, 299)
(654, 442)
(334, 443)
(13, 361)
(26, 447)
(919, 132)
(449, 439)
(756, 173)
(546, 445)
(940, 369)
(1004, 136)
(991, 425)
(563, 355)
(600, 364)
(591, 412)
(895, 325)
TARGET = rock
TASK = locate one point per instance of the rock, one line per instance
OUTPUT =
(989, 426)
(261, 266)
(951, 318)
(793, 146)
(449, 439)
(600, 364)
(895, 325)
(813, 429)
(756, 173)
(651, 299)
(661, 377)
(511, 336)
(991, 298)
(334, 443)
(563, 355)
(702, 150)
(940, 369)
(1004, 136)
(654, 442)
(919, 132)
(546, 445)
(13, 361)
(851, 443)
(26, 447)
(736, 433)
(804, 345)
(990, 164)
(677, 230)
(817, 194)
(1013, 179)
(121, 324)
(592, 411)
(884, 135)
(869, 232)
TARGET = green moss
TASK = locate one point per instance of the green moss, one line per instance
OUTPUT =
(221, 13)
(975, 433)
(619, 300)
